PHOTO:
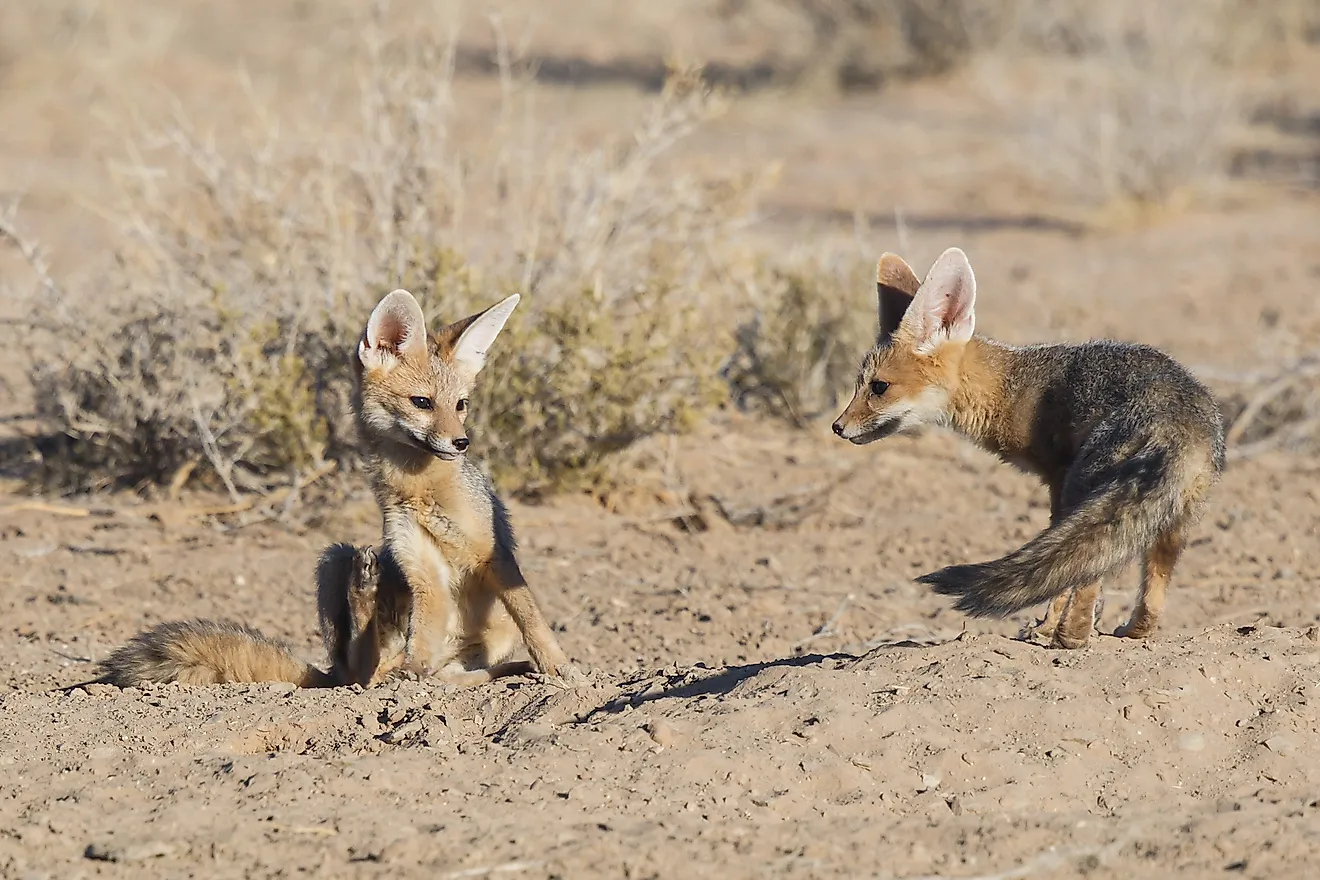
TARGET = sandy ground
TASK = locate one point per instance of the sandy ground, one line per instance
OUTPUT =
(763, 700)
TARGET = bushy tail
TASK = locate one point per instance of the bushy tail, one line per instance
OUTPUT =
(206, 652)
(1104, 533)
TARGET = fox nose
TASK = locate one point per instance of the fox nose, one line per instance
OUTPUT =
(461, 443)
(838, 428)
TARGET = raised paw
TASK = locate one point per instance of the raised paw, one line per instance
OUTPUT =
(362, 583)
(366, 572)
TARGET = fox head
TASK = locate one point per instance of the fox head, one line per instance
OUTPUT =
(911, 375)
(413, 389)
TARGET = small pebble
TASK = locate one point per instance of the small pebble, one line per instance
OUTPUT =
(662, 733)
(400, 733)
(1191, 742)
(533, 732)
(1280, 745)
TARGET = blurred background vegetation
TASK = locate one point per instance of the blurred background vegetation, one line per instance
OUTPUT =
(201, 202)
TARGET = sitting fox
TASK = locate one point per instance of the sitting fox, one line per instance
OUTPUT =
(1127, 440)
(445, 595)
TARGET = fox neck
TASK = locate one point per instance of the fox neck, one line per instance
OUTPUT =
(394, 460)
(980, 407)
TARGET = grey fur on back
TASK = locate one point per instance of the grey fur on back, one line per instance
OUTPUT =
(1085, 384)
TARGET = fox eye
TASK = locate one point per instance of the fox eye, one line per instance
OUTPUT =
(462, 404)
(423, 403)
(878, 388)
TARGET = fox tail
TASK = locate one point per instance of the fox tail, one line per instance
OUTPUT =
(206, 652)
(1104, 533)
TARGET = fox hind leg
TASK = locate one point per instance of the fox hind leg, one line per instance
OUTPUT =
(1074, 629)
(1047, 626)
(364, 652)
(1155, 575)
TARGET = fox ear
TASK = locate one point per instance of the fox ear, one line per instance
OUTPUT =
(396, 329)
(896, 284)
(943, 308)
(468, 340)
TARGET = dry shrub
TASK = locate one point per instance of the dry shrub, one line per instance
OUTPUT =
(799, 351)
(1133, 106)
(222, 334)
(1269, 31)
(860, 44)
(1276, 410)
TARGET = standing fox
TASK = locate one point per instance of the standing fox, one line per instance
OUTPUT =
(1127, 440)
(446, 594)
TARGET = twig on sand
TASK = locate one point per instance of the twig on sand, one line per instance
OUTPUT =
(828, 627)
(43, 507)
(487, 870)
(782, 511)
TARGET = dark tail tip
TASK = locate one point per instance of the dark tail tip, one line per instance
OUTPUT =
(978, 592)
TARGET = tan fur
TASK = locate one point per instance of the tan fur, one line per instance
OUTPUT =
(893, 271)
(443, 525)
(206, 652)
(1127, 440)
(214, 652)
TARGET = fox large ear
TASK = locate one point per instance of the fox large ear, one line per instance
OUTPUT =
(396, 329)
(943, 308)
(468, 340)
(896, 284)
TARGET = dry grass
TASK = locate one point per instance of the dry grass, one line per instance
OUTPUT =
(1132, 104)
(216, 346)
(800, 349)
(862, 44)
(1274, 410)
(1140, 109)
(221, 335)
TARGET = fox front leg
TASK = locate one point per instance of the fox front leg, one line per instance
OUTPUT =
(429, 643)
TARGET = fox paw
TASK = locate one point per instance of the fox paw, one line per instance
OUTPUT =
(563, 675)
(1070, 641)
(1133, 631)
(1042, 630)
(366, 571)
(572, 676)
